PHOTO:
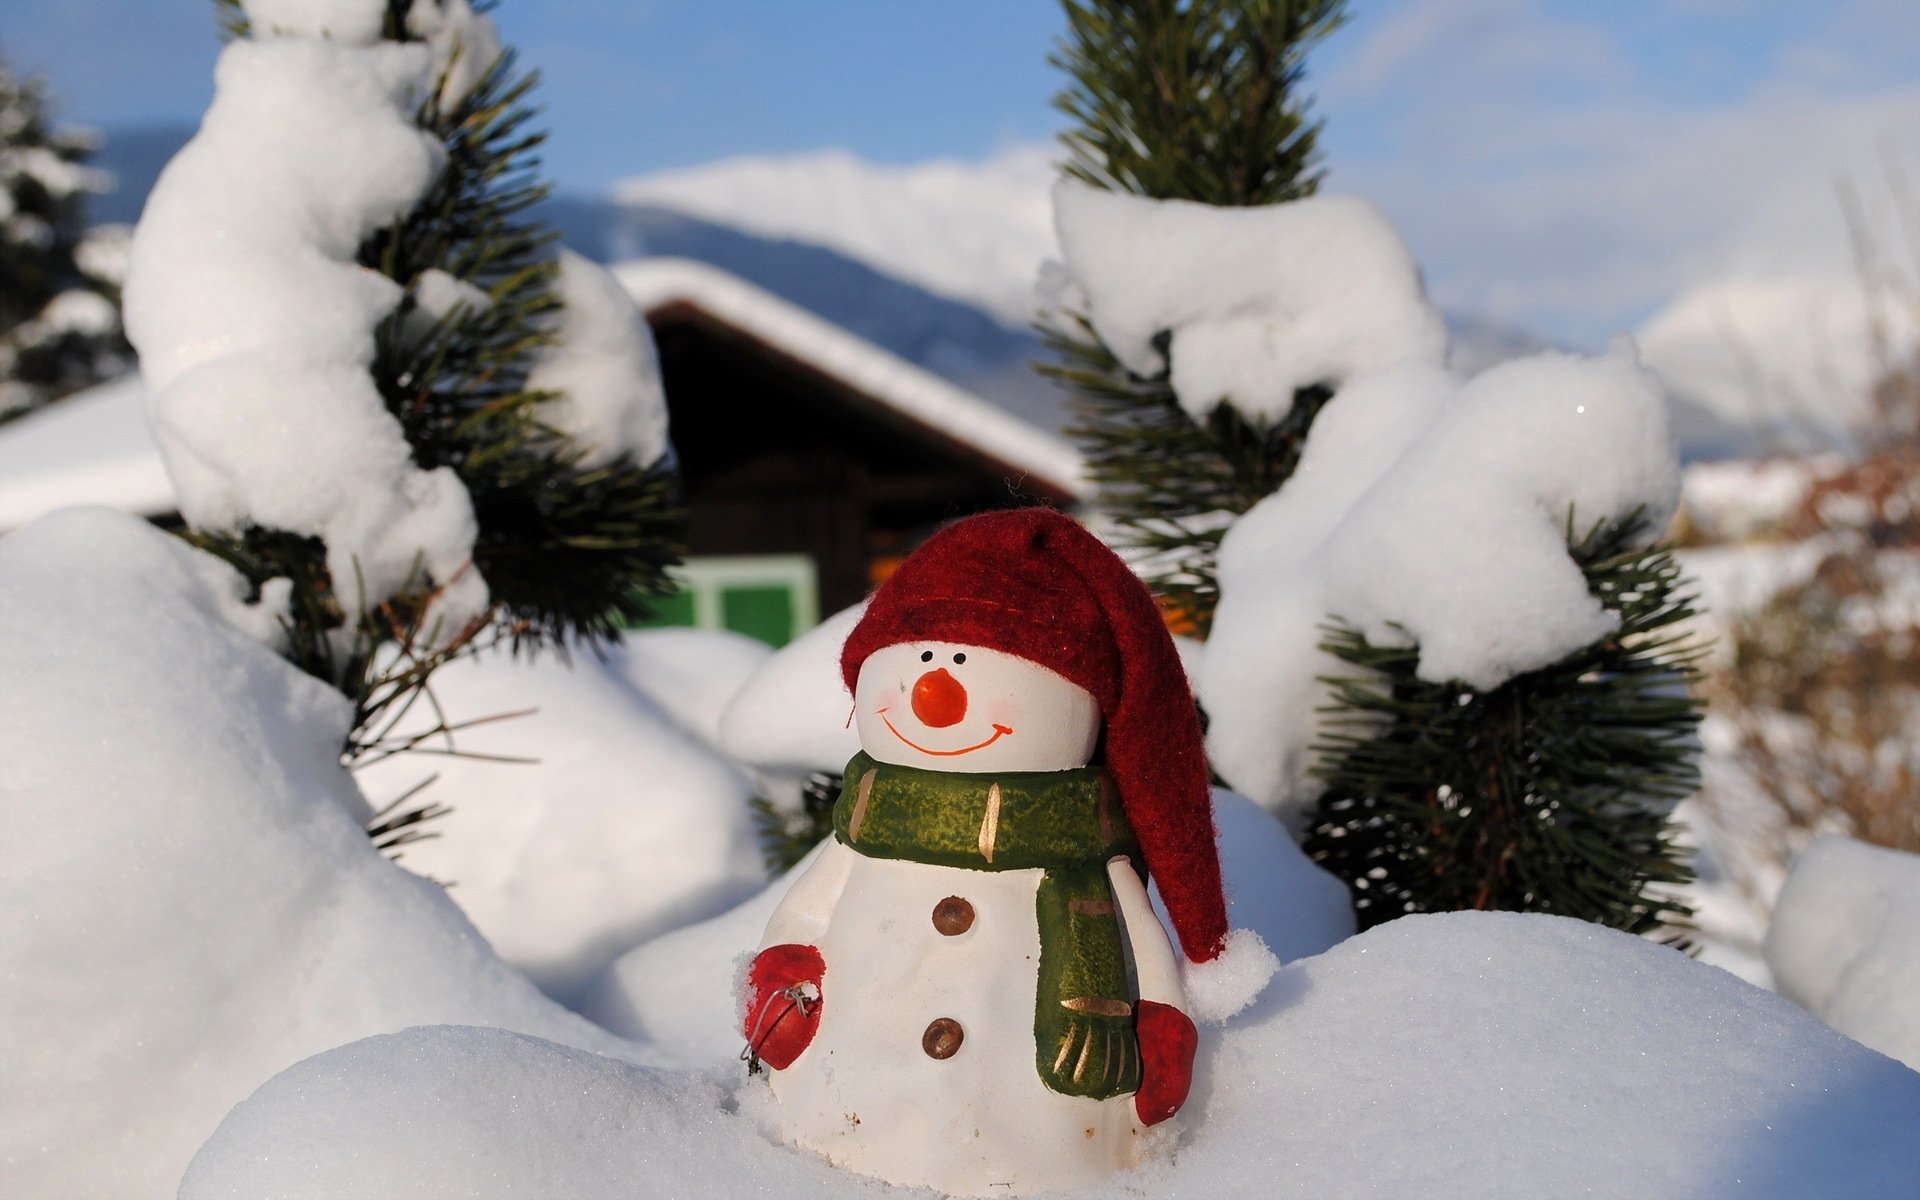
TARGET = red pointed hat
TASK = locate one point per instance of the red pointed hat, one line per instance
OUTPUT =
(1033, 583)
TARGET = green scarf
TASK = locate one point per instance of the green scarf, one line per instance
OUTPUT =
(1067, 824)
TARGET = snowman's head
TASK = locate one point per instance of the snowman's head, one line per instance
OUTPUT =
(945, 706)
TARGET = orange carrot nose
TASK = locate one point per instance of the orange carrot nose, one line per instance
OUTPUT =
(939, 700)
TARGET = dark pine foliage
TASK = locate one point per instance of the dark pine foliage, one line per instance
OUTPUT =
(567, 551)
(787, 835)
(1549, 793)
(1190, 100)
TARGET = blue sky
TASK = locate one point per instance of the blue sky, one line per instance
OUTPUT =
(637, 85)
(1572, 165)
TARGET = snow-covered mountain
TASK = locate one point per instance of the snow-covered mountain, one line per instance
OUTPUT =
(969, 231)
(1795, 356)
(935, 262)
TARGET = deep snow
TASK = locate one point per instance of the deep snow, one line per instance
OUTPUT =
(191, 902)
(1467, 1055)
(609, 824)
(193, 907)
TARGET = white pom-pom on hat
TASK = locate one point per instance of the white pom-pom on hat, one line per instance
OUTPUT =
(1227, 983)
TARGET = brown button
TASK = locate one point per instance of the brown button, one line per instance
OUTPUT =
(953, 916)
(942, 1038)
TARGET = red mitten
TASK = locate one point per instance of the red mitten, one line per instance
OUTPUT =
(1167, 1042)
(783, 1003)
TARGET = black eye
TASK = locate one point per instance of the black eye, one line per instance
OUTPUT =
(958, 659)
(927, 656)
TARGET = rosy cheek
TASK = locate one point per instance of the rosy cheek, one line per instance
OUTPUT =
(1004, 710)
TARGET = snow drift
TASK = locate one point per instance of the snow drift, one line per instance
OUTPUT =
(610, 824)
(1465, 1055)
(191, 901)
(1845, 942)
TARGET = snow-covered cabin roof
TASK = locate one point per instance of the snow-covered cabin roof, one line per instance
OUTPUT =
(914, 394)
(93, 448)
(97, 448)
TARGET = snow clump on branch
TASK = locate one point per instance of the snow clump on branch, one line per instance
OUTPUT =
(1256, 302)
(1432, 512)
(255, 324)
(604, 367)
(1426, 509)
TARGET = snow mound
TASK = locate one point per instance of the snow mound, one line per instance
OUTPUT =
(255, 323)
(1845, 942)
(493, 1114)
(793, 717)
(676, 991)
(614, 826)
(191, 902)
(1273, 888)
(91, 448)
(1428, 510)
(604, 367)
(692, 674)
(1259, 302)
(1470, 1055)
(1488, 1055)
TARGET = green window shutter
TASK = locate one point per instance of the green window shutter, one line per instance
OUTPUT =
(772, 597)
(763, 611)
(677, 609)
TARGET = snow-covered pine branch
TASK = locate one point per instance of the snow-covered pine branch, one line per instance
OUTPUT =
(368, 374)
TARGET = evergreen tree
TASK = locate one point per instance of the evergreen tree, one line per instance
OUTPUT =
(1184, 100)
(1549, 793)
(570, 552)
(59, 313)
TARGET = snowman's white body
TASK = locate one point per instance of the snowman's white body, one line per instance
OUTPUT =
(865, 1092)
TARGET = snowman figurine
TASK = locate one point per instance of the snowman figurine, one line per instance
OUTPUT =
(968, 989)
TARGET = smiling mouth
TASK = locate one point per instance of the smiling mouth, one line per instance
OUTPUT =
(999, 731)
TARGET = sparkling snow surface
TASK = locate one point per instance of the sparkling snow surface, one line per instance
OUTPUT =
(545, 853)
(1845, 942)
(191, 903)
(1467, 1055)
(255, 324)
(1259, 301)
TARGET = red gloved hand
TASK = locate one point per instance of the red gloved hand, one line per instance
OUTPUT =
(1167, 1042)
(783, 1003)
